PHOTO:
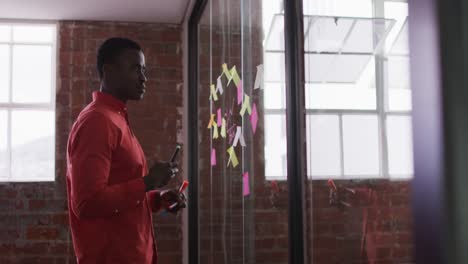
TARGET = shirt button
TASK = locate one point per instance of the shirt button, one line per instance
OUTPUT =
(116, 211)
(138, 202)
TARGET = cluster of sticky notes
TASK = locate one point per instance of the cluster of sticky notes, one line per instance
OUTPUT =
(217, 120)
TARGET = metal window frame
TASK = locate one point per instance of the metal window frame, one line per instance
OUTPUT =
(10, 105)
(192, 113)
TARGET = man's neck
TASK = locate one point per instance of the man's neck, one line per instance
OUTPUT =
(103, 89)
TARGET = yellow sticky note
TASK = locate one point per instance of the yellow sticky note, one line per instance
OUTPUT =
(232, 157)
(226, 71)
(211, 121)
(235, 76)
(213, 92)
(215, 130)
(223, 128)
(246, 106)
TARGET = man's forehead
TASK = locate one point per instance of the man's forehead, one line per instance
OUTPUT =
(132, 56)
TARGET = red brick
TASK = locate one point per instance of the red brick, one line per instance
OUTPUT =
(42, 233)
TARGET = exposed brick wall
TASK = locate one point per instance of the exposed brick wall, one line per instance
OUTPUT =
(337, 232)
(33, 216)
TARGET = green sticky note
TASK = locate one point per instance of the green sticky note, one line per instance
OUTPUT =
(213, 92)
(246, 106)
(226, 71)
(215, 130)
(235, 76)
(232, 157)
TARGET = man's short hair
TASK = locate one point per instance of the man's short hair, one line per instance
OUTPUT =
(110, 50)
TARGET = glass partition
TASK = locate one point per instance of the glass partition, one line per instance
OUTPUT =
(242, 134)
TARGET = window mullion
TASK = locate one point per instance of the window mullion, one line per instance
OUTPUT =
(340, 120)
(10, 100)
(380, 82)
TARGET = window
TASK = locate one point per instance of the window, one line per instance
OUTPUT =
(27, 102)
(358, 97)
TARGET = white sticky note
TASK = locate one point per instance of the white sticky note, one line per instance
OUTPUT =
(239, 137)
(259, 77)
(219, 86)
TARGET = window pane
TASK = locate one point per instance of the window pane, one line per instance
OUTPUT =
(400, 146)
(3, 145)
(5, 33)
(32, 74)
(33, 145)
(398, 72)
(323, 146)
(357, 92)
(345, 8)
(399, 100)
(361, 145)
(274, 67)
(275, 146)
(34, 33)
(274, 96)
(4, 72)
(339, 96)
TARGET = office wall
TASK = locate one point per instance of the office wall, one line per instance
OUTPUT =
(34, 217)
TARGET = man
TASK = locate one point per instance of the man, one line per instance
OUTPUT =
(111, 193)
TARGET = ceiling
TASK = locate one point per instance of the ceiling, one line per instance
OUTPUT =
(160, 11)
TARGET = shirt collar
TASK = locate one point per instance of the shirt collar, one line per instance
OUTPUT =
(109, 100)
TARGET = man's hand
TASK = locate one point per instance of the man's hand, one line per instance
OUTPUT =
(173, 200)
(160, 174)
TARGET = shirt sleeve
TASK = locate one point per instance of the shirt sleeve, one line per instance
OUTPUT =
(90, 159)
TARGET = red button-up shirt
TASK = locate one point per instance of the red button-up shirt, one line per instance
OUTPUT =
(110, 213)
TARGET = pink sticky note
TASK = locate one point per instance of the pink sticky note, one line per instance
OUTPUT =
(219, 118)
(245, 179)
(213, 157)
(254, 118)
(239, 93)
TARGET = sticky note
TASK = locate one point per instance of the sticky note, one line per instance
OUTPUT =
(239, 137)
(226, 72)
(254, 118)
(219, 86)
(215, 131)
(232, 157)
(240, 93)
(213, 157)
(223, 128)
(211, 121)
(246, 106)
(246, 184)
(259, 77)
(219, 117)
(235, 76)
(213, 93)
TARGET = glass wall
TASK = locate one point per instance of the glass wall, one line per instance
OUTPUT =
(358, 126)
(242, 134)
(358, 132)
